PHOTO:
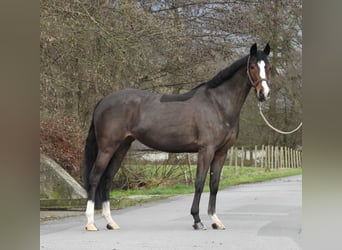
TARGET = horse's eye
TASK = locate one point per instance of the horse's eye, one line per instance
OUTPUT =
(252, 67)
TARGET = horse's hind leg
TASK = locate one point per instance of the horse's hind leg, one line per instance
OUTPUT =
(108, 176)
(215, 174)
(205, 156)
(100, 165)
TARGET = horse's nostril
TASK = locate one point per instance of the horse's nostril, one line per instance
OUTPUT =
(261, 96)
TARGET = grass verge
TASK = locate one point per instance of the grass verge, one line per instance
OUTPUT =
(230, 176)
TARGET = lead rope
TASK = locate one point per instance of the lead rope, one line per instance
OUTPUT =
(275, 129)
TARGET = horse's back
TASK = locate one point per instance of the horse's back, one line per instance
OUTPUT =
(119, 111)
(126, 96)
(122, 100)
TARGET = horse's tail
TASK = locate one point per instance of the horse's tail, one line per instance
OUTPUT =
(90, 154)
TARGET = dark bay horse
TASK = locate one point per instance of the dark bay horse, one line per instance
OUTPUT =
(204, 120)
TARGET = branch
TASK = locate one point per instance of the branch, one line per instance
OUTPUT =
(203, 3)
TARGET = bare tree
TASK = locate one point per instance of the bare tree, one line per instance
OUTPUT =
(90, 48)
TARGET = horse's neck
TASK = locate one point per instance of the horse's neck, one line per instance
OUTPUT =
(232, 94)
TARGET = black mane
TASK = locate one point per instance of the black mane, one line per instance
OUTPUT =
(216, 81)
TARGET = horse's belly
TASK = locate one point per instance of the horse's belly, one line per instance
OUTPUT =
(172, 140)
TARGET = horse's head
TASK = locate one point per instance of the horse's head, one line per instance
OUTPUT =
(259, 71)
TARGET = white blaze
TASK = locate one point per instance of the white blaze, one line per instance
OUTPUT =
(262, 73)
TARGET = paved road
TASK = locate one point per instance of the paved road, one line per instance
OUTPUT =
(261, 216)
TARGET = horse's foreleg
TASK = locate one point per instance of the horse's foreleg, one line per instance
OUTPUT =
(204, 158)
(215, 174)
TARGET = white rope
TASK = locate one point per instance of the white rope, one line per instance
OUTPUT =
(275, 129)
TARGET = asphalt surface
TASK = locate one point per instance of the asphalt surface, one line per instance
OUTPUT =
(263, 216)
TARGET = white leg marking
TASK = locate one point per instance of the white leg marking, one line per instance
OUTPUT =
(262, 73)
(107, 216)
(106, 212)
(90, 212)
(217, 221)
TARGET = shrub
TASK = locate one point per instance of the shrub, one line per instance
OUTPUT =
(62, 139)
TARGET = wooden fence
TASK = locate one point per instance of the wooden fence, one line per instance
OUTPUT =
(260, 156)
(265, 157)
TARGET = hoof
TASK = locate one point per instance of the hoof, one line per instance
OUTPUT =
(91, 227)
(218, 226)
(113, 226)
(199, 226)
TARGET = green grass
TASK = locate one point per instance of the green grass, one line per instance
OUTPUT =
(230, 176)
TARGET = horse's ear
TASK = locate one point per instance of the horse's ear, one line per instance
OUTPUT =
(253, 50)
(267, 49)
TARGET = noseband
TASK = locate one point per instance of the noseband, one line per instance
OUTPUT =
(254, 83)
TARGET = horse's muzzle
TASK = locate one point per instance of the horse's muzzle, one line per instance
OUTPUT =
(261, 95)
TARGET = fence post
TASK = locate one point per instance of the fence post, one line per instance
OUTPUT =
(265, 158)
(289, 157)
(276, 155)
(262, 156)
(285, 157)
(268, 148)
(281, 157)
(255, 156)
(236, 156)
(236, 161)
(272, 156)
(242, 162)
